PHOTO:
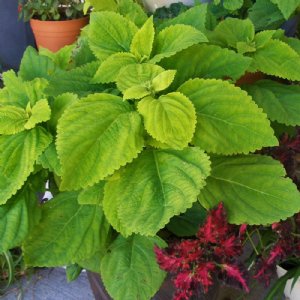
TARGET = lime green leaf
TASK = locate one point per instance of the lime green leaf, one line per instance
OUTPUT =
(92, 195)
(262, 20)
(287, 7)
(175, 38)
(132, 11)
(143, 196)
(254, 189)
(171, 119)
(137, 74)
(142, 42)
(12, 119)
(72, 272)
(40, 112)
(99, 5)
(163, 80)
(187, 224)
(243, 47)
(82, 54)
(228, 121)
(59, 105)
(293, 43)
(17, 217)
(49, 160)
(231, 31)
(67, 232)
(110, 33)
(136, 92)
(278, 59)
(130, 271)
(195, 16)
(110, 68)
(77, 81)
(279, 101)
(88, 132)
(233, 4)
(18, 155)
(34, 66)
(207, 61)
(61, 58)
(263, 37)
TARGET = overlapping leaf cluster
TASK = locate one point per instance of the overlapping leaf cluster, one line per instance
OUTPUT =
(131, 128)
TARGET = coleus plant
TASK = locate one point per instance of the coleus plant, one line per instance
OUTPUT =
(142, 123)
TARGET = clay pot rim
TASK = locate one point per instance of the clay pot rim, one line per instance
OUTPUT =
(84, 18)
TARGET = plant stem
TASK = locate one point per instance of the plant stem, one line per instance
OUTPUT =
(252, 243)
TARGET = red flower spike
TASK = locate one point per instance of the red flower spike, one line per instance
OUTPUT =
(234, 273)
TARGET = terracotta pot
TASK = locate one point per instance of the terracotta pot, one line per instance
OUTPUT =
(250, 78)
(292, 294)
(54, 35)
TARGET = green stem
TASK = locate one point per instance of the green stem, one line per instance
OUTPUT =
(252, 243)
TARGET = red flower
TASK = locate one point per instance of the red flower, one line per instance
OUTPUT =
(234, 272)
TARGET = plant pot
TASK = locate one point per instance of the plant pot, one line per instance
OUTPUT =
(165, 293)
(54, 35)
(291, 294)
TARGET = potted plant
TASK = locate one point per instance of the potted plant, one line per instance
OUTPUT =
(55, 23)
(144, 124)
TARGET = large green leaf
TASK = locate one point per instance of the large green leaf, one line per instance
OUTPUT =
(96, 136)
(67, 232)
(143, 196)
(228, 121)
(231, 31)
(170, 119)
(262, 20)
(278, 59)
(142, 42)
(18, 155)
(12, 119)
(92, 195)
(130, 271)
(76, 81)
(254, 189)
(279, 101)
(100, 5)
(175, 38)
(111, 67)
(287, 7)
(49, 159)
(110, 33)
(34, 66)
(233, 4)
(17, 217)
(207, 61)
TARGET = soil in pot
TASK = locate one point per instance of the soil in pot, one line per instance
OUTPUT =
(54, 35)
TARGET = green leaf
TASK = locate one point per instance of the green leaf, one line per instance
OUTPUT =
(171, 119)
(86, 155)
(49, 160)
(142, 42)
(130, 271)
(136, 92)
(76, 81)
(12, 119)
(111, 67)
(243, 47)
(143, 196)
(132, 11)
(228, 121)
(59, 105)
(67, 232)
(92, 195)
(39, 113)
(34, 66)
(72, 272)
(207, 61)
(262, 20)
(61, 58)
(279, 101)
(163, 80)
(82, 54)
(195, 16)
(18, 155)
(137, 75)
(110, 33)
(17, 217)
(254, 189)
(175, 38)
(233, 4)
(99, 5)
(263, 37)
(287, 7)
(231, 31)
(278, 59)
(187, 224)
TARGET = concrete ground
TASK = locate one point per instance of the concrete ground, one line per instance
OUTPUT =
(50, 284)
